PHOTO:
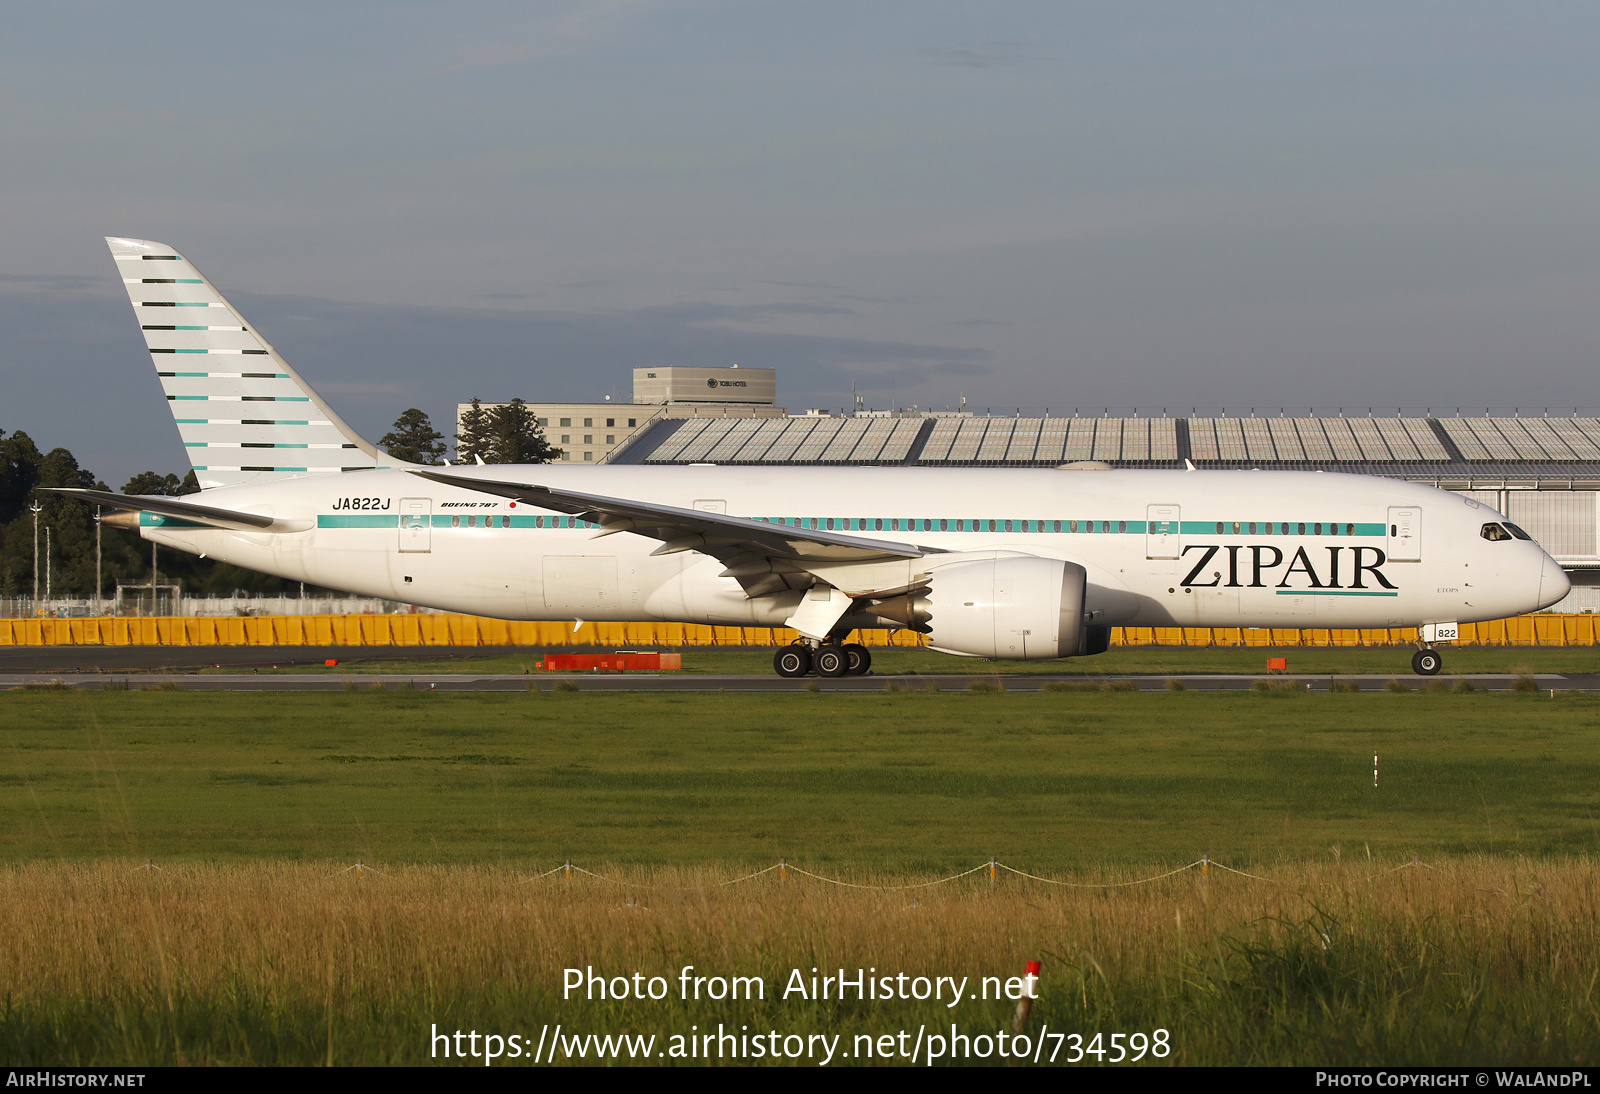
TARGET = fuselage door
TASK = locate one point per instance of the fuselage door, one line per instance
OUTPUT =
(1405, 534)
(1161, 528)
(416, 525)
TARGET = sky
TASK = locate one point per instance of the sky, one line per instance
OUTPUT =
(1135, 206)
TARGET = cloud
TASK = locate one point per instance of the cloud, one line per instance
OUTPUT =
(987, 55)
(334, 387)
(593, 16)
(54, 283)
(488, 56)
(78, 375)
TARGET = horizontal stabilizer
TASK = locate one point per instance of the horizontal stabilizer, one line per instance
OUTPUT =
(172, 513)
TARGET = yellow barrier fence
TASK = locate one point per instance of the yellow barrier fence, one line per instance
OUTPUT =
(469, 630)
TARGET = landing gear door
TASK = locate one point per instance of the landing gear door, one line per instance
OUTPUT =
(1161, 532)
(1405, 534)
(416, 525)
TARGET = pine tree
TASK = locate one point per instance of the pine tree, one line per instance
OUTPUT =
(146, 483)
(414, 439)
(515, 437)
(472, 442)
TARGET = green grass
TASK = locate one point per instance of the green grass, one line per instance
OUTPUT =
(1143, 660)
(252, 943)
(847, 782)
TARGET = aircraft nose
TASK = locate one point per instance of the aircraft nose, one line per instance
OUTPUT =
(1554, 584)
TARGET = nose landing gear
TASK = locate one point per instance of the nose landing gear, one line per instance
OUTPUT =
(1426, 662)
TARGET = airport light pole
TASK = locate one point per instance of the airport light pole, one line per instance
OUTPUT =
(34, 509)
(98, 584)
(47, 562)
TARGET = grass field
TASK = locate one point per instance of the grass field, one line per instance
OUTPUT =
(254, 943)
(877, 781)
(1478, 961)
(1142, 660)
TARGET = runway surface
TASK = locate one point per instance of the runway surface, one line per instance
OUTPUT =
(141, 659)
(269, 681)
(99, 667)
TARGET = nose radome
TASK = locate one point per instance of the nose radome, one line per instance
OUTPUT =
(1554, 584)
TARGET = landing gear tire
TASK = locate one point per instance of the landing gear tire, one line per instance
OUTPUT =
(859, 657)
(1426, 663)
(792, 661)
(830, 661)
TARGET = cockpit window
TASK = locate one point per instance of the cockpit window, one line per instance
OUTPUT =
(1518, 532)
(1494, 533)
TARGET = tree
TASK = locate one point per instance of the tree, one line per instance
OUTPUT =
(414, 439)
(472, 442)
(515, 437)
(19, 473)
(146, 483)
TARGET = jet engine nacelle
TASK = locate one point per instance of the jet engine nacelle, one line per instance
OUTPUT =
(1015, 608)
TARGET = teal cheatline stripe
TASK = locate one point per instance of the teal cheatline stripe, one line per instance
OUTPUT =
(192, 421)
(1336, 592)
(281, 445)
(191, 375)
(191, 398)
(1273, 528)
(195, 444)
(156, 520)
(363, 520)
(294, 398)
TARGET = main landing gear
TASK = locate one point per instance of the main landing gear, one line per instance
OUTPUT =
(1426, 662)
(827, 659)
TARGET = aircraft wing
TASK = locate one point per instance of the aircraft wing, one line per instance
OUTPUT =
(758, 553)
(208, 516)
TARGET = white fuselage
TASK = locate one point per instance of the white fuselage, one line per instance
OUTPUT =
(1161, 548)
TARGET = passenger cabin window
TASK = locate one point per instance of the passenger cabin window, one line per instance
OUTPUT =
(1494, 533)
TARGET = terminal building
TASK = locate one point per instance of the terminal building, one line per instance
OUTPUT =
(593, 432)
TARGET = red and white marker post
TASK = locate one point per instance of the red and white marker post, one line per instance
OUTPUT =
(1030, 992)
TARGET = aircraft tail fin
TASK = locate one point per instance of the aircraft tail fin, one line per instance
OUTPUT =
(244, 414)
